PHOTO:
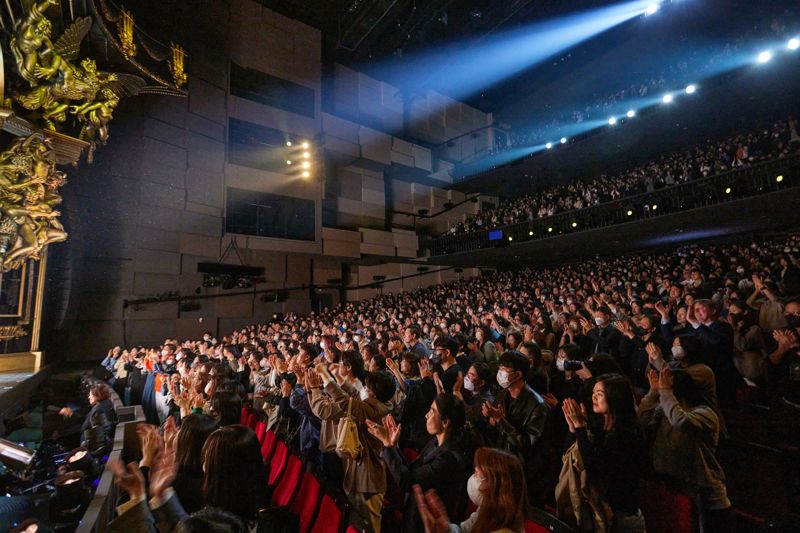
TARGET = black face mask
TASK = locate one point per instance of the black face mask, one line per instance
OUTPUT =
(736, 317)
(793, 321)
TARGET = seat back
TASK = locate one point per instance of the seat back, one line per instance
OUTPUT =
(307, 501)
(268, 445)
(261, 430)
(667, 509)
(330, 516)
(290, 481)
(540, 521)
(277, 463)
(251, 420)
(243, 416)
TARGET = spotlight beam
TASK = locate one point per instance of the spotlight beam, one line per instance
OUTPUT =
(461, 71)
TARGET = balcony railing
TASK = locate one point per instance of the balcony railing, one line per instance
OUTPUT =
(762, 178)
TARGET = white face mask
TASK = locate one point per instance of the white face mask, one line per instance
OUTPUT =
(343, 340)
(599, 320)
(560, 364)
(363, 394)
(678, 352)
(502, 379)
(468, 384)
(474, 490)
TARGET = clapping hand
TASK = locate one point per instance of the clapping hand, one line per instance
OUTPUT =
(170, 433)
(162, 473)
(424, 369)
(432, 511)
(457, 387)
(574, 413)
(388, 432)
(128, 477)
(494, 413)
(654, 354)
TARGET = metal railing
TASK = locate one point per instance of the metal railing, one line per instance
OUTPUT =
(762, 178)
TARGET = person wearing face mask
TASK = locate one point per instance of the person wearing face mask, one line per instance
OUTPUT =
(478, 382)
(519, 417)
(633, 352)
(497, 488)
(687, 354)
(604, 337)
(440, 464)
(749, 351)
(365, 477)
(784, 359)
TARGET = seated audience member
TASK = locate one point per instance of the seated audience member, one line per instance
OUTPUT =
(612, 450)
(519, 416)
(686, 437)
(497, 488)
(101, 411)
(537, 378)
(234, 481)
(479, 384)
(188, 444)
(440, 464)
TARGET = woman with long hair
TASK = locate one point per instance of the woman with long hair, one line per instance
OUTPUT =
(234, 478)
(440, 463)
(498, 490)
(613, 450)
(189, 443)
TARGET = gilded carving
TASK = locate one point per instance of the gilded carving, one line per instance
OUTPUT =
(29, 184)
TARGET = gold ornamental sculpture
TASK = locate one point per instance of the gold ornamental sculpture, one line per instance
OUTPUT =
(58, 103)
(65, 67)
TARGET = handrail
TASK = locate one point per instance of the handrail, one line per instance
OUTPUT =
(101, 508)
(741, 182)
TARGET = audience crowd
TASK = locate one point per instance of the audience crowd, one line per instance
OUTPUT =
(463, 403)
(779, 140)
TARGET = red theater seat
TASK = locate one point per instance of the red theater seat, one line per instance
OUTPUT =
(261, 430)
(305, 505)
(666, 509)
(329, 519)
(278, 463)
(268, 445)
(290, 480)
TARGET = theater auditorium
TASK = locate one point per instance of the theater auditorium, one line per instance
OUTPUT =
(399, 266)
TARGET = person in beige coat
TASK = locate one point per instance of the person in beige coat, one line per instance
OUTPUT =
(364, 477)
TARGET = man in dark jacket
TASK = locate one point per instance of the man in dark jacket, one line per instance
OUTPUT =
(519, 416)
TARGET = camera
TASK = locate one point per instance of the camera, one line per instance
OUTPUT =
(568, 365)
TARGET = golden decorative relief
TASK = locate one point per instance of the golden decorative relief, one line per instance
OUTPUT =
(8, 333)
(29, 184)
(125, 27)
(176, 65)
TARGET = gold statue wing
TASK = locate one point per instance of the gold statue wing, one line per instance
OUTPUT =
(68, 44)
(124, 84)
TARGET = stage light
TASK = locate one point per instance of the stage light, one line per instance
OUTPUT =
(288, 143)
(563, 140)
(288, 161)
(510, 238)
(306, 164)
(667, 98)
(779, 179)
(612, 121)
(728, 190)
(306, 155)
(655, 206)
(630, 213)
(651, 9)
(793, 44)
(631, 113)
(305, 145)
(549, 230)
(548, 145)
(690, 89)
(306, 174)
(574, 224)
(530, 233)
(764, 56)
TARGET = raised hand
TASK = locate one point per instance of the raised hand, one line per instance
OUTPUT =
(425, 369)
(170, 433)
(457, 386)
(128, 477)
(438, 381)
(663, 310)
(393, 429)
(574, 413)
(150, 442)
(494, 413)
(666, 379)
(162, 473)
(654, 354)
(431, 511)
